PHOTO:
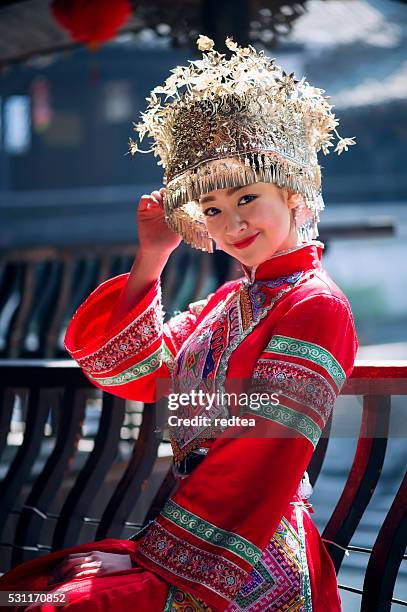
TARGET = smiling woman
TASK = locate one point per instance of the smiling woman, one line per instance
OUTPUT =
(239, 148)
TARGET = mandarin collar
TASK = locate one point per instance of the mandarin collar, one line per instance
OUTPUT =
(283, 263)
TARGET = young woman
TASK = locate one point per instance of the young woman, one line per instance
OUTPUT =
(237, 534)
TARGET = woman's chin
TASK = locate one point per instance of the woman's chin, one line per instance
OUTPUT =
(248, 261)
(248, 257)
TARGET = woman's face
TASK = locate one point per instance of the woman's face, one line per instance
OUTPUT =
(251, 223)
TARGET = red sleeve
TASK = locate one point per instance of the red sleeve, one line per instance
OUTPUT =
(212, 532)
(129, 358)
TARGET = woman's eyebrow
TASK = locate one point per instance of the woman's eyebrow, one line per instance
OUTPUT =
(229, 192)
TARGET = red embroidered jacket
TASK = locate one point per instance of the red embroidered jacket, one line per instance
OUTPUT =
(288, 325)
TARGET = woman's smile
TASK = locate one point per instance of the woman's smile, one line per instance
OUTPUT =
(242, 244)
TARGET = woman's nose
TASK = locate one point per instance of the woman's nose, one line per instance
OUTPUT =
(235, 225)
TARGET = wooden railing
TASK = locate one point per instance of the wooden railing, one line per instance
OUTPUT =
(41, 288)
(376, 383)
(86, 487)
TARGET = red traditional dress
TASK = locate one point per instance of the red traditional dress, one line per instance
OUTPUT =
(237, 534)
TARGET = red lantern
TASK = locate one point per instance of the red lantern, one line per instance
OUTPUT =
(91, 21)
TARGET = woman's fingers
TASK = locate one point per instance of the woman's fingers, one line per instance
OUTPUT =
(149, 201)
(72, 567)
(84, 568)
(87, 573)
(74, 560)
(146, 200)
(154, 197)
(158, 196)
(94, 563)
(90, 565)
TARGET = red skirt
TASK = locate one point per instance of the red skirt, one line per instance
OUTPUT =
(142, 590)
(132, 589)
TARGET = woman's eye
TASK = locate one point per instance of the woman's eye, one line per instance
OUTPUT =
(211, 211)
(249, 198)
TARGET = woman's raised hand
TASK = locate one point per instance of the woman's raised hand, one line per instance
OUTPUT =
(156, 243)
(155, 237)
(85, 565)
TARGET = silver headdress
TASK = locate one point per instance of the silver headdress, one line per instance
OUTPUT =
(245, 108)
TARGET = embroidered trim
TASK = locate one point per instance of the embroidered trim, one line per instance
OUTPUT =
(275, 583)
(208, 532)
(147, 366)
(306, 582)
(283, 415)
(170, 599)
(253, 297)
(190, 371)
(180, 601)
(284, 345)
(296, 382)
(168, 358)
(180, 328)
(139, 334)
(216, 573)
(245, 310)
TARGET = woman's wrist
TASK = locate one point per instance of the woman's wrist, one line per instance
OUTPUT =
(151, 262)
(146, 270)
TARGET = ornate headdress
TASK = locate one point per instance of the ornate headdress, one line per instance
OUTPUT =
(245, 108)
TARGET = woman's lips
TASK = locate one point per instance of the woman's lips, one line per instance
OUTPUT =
(242, 244)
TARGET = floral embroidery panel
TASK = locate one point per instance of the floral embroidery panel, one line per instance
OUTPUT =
(275, 584)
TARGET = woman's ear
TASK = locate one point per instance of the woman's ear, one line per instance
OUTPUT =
(294, 199)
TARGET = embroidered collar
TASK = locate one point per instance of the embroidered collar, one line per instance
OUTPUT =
(304, 257)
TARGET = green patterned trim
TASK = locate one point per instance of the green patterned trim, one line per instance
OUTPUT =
(170, 598)
(167, 354)
(168, 358)
(210, 533)
(306, 583)
(145, 367)
(291, 418)
(284, 345)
